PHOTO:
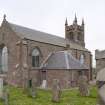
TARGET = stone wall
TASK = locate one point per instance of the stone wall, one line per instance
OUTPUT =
(61, 75)
(35, 74)
(10, 39)
(67, 78)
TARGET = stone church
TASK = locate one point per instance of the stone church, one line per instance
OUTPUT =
(29, 56)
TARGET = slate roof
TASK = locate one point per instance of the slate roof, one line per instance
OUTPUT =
(63, 60)
(39, 36)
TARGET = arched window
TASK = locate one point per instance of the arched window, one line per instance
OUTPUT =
(71, 36)
(35, 57)
(82, 59)
(79, 36)
(4, 59)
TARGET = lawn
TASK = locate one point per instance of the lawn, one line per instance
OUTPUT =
(69, 97)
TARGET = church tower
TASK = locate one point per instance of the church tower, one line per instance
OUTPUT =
(75, 33)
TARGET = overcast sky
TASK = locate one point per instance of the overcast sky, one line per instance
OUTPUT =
(49, 16)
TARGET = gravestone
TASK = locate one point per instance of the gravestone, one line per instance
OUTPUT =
(32, 92)
(56, 91)
(5, 93)
(44, 84)
(1, 87)
(101, 86)
(32, 88)
(6, 97)
(83, 85)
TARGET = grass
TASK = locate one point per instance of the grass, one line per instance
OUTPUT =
(68, 97)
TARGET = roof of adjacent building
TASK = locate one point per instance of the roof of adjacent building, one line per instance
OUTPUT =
(62, 60)
(99, 54)
(39, 36)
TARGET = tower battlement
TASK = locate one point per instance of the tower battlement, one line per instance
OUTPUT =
(75, 32)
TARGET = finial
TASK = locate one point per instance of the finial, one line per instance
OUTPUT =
(66, 23)
(75, 20)
(4, 16)
(82, 21)
(75, 17)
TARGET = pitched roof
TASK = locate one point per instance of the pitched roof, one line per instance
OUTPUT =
(99, 54)
(35, 35)
(63, 60)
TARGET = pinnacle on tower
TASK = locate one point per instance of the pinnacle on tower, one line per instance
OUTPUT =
(75, 19)
(66, 22)
(4, 17)
(82, 21)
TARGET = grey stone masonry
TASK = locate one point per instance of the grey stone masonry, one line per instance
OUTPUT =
(100, 59)
(56, 91)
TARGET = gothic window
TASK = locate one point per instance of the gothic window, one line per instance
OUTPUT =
(3, 59)
(82, 59)
(79, 36)
(35, 57)
(71, 36)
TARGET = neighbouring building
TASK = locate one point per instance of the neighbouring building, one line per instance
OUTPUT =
(27, 54)
(100, 59)
(100, 70)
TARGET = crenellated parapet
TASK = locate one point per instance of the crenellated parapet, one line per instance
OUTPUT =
(75, 32)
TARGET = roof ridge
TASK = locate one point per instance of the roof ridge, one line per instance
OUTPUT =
(66, 59)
